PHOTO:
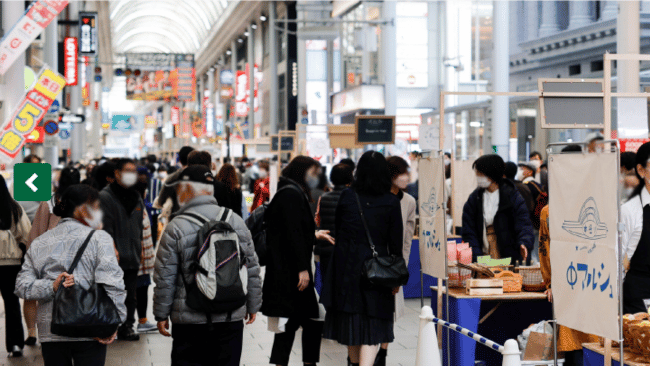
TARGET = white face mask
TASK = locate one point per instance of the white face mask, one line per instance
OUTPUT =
(312, 181)
(263, 174)
(627, 192)
(129, 179)
(401, 181)
(447, 161)
(483, 182)
(95, 221)
(82, 172)
(162, 175)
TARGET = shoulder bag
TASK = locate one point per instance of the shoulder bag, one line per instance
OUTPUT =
(84, 313)
(389, 271)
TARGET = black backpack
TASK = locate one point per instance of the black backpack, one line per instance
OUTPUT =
(257, 225)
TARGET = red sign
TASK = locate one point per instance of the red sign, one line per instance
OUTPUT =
(632, 144)
(37, 135)
(243, 92)
(85, 83)
(176, 116)
(70, 51)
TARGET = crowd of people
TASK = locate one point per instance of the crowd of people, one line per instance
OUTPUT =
(217, 261)
(128, 224)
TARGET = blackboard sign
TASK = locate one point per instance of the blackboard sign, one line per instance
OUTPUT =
(275, 141)
(286, 143)
(374, 129)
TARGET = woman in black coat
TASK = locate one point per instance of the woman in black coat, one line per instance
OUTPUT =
(359, 316)
(289, 297)
(496, 221)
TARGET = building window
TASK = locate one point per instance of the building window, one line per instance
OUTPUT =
(574, 70)
(596, 66)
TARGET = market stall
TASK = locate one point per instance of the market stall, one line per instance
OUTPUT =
(497, 317)
(594, 355)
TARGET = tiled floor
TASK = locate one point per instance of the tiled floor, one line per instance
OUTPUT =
(154, 349)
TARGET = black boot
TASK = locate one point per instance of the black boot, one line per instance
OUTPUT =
(380, 360)
(127, 334)
(352, 364)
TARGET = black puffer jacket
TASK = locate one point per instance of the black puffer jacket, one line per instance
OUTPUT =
(328, 203)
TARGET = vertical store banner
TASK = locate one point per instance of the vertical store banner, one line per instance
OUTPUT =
(433, 243)
(71, 62)
(29, 113)
(37, 17)
(583, 218)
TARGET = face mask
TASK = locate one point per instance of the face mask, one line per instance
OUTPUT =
(162, 176)
(263, 174)
(129, 179)
(627, 192)
(401, 181)
(95, 221)
(483, 182)
(447, 162)
(520, 175)
(82, 173)
(312, 182)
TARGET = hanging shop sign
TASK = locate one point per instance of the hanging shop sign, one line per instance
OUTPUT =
(242, 96)
(175, 116)
(632, 144)
(226, 77)
(88, 33)
(358, 98)
(29, 113)
(150, 122)
(85, 81)
(583, 226)
(374, 129)
(37, 17)
(161, 76)
(208, 112)
(70, 61)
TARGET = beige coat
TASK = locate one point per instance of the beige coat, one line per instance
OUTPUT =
(408, 205)
(10, 253)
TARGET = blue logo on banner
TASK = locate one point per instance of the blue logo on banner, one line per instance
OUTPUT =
(54, 108)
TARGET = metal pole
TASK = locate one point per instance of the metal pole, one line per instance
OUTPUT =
(330, 79)
(620, 259)
(273, 67)
(51, 52)
(250, 42)
(389, 55)
(628, 42)
(501, 79)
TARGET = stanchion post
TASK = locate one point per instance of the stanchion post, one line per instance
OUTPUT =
(511, 354)
(428, 353)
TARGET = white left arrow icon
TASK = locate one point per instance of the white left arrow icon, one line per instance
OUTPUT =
(30, 182)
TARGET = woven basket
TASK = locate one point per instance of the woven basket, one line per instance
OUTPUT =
(640, 334)
(512, 282)
(532, 278)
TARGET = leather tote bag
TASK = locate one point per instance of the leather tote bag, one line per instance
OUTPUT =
(81, 313)
(388, 271)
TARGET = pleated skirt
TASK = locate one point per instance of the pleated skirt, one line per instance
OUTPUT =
(357, 329)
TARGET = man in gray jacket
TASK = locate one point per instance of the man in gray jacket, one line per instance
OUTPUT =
(194, 341)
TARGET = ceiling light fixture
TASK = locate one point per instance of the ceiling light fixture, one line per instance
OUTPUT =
(263, 18)
(254, 26)
(228, 52)
(240, 40)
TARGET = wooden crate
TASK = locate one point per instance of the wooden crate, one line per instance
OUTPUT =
(482, 287)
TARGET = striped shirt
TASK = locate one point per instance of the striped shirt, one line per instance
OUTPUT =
(153, 191)
(52, 253)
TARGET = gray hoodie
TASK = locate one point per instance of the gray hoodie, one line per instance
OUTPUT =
(177, 245)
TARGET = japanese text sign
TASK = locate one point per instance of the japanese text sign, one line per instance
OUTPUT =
(433, 242)
(583, 217)
(37, 17)
(29, 113)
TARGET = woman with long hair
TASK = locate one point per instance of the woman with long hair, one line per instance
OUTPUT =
(289, 297)
(14, 228)
(45, 220)
(227, 189)
(358, 315)
(44, 271)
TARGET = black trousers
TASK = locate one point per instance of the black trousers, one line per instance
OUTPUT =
(131, 302)
(198, 345)
(142, 297)
(88, 353)
(14, 333)
(312, 332)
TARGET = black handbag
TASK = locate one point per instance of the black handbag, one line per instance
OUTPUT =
(389, 271)
(84, 313)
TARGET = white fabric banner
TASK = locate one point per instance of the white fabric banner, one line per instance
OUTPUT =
(463, 183)
(433, 242)
(583, 217)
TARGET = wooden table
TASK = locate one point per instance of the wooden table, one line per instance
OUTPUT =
(496, 317)
(594, 355)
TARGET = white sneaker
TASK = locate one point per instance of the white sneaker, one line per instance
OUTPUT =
(147, 327)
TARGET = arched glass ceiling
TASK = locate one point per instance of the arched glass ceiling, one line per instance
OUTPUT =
(170, 26)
